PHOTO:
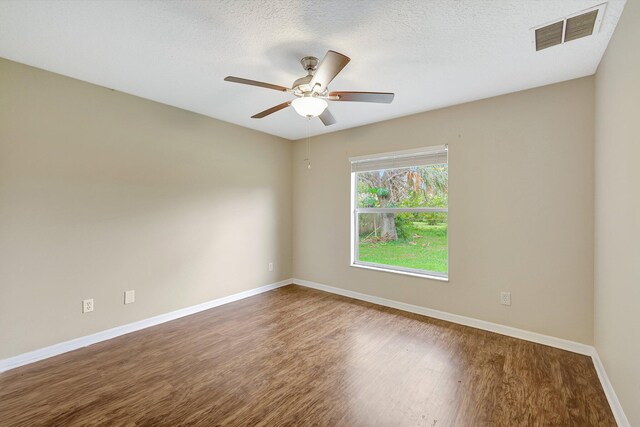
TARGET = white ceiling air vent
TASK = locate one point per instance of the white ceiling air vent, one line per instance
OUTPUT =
(572, 27)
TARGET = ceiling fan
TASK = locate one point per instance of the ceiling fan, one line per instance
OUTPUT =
(312, 91)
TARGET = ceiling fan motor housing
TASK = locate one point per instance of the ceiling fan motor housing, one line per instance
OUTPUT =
(301, 86)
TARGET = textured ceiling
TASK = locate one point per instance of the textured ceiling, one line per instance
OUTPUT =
(430, 53)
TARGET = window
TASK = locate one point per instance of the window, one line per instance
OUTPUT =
(400, 212)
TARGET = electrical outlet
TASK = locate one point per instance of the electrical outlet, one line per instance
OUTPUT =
(505, 298)
(129, 297)
(87, 305)
(270, 266)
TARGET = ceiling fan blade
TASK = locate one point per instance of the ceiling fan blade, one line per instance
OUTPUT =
(271, 110)
(330, 66)
(327, 118)
(255, 83)
(381, 97)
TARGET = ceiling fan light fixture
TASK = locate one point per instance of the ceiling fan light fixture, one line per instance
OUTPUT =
(312, 91)
(309, 106)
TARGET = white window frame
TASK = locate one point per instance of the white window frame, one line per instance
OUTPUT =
(354, 262)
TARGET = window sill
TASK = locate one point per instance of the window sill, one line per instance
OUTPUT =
(405, 273)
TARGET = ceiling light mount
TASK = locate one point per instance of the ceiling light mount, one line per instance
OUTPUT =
(310, 64)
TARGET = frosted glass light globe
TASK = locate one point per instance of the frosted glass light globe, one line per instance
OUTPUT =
(309, 106)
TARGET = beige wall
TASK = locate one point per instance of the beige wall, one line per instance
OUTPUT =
(617, 211)
(520, 209)
(101, 192)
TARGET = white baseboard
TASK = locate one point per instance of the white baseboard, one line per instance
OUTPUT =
(614, 403)
(560, 343)
(63, 347)
(455, 318)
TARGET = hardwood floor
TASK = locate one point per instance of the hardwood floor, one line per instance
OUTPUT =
(296, 356)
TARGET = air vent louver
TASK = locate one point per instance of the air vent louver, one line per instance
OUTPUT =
(548, 36)
(580, 26)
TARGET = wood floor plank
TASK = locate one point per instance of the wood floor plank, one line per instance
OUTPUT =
(296, 356)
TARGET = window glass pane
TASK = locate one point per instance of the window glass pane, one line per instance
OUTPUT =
(420, 186)
(410, 240)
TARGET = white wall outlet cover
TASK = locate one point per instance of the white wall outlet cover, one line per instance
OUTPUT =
(87, 305)
(505, 298)
(129, 297)
(270, 266)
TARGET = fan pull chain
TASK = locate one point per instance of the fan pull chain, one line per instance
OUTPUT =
(308, 159)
